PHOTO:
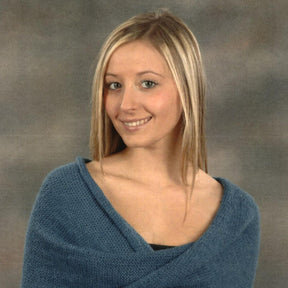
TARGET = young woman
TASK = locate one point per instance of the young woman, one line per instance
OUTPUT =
(143, 212)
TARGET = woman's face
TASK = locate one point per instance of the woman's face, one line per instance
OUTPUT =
(141, 97)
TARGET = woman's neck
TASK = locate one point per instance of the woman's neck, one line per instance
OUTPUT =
(152, 163)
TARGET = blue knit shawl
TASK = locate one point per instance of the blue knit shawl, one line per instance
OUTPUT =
(76, 238)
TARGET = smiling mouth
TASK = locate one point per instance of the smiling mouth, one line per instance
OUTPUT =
(137, 123)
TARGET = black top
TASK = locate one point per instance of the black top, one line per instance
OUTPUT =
(160, 247)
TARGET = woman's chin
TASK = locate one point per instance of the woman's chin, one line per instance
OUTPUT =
(136, 142)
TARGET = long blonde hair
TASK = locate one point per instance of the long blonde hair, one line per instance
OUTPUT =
(177, 44)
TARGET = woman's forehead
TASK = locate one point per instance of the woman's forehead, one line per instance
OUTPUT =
(140, 56)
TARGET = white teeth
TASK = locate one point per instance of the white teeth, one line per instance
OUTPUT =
(137, 123)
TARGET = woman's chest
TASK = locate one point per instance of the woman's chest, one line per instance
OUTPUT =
(158, 214)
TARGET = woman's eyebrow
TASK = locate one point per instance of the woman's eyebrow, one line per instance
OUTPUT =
(110, 74)
(149, 71)
(138, 74)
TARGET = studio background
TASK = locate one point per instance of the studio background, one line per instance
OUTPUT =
(47, 57)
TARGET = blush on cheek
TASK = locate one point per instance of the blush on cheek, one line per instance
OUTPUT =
(109, 106)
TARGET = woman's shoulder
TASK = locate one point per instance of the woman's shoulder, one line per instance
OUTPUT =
(111, 165)
(232, 197)
(66, 177)
(238, 201)
(208, 186)
(61, 173)
(62, 185)
(225, 188)
(236, 192)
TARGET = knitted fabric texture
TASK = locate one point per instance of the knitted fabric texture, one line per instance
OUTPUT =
(76, 238)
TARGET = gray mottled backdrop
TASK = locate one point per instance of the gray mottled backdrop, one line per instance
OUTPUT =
(47, 56)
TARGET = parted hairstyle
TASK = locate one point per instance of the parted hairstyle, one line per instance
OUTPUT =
(177, 44)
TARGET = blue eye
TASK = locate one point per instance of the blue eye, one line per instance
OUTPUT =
(113, 85)
(148, 84)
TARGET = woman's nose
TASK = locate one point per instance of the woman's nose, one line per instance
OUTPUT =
(128, 101)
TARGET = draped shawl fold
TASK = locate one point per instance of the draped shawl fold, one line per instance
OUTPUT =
(76, 238)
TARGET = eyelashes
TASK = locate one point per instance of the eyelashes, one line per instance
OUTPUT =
(146, 84)
(113, 85)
